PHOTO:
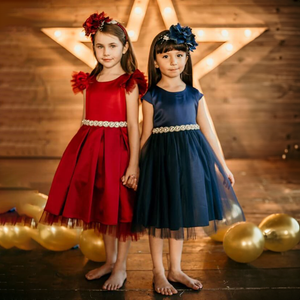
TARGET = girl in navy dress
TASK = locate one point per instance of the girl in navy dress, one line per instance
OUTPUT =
(184, 181)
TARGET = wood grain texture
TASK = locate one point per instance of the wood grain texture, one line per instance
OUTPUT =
(253, 96)
(263, 187)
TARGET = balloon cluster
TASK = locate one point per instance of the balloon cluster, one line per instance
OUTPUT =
(27, 234)
(244, 241)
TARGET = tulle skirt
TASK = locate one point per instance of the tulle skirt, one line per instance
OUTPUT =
(182, 187)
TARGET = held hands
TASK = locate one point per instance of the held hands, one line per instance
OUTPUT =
(229, 175)
(131, 177)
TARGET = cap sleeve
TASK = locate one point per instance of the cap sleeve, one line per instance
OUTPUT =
(148, 97)
(136, 78)
(79, 81)
(199, 95)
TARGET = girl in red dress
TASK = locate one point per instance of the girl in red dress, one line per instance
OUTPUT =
(95, 182)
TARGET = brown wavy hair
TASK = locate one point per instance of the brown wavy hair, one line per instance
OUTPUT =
(128, 60)
(162, 46)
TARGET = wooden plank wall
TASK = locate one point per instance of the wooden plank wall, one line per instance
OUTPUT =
(253, 96)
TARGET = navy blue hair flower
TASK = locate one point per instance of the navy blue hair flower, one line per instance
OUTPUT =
(183, 35)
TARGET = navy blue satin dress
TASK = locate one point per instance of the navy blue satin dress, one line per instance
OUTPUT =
(182, 184)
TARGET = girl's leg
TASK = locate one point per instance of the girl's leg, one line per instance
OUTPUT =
(161, 284)
(175, 273)
(110, 243)
(118, 275)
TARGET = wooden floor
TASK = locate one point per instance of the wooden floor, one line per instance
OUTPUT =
(262, 187)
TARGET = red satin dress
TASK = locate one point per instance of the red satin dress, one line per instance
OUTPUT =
(87, 190)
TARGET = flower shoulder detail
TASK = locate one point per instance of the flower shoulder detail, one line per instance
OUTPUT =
(79, 81)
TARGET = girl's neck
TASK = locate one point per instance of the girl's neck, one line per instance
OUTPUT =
(171, 84)
(110, 73)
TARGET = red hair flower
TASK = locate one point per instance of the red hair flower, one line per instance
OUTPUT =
(94, 22)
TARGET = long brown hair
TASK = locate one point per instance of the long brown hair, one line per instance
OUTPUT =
(162, 46)
(128, 60)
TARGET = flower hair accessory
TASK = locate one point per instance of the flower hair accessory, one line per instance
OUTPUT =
(97, 21)
(181, 35)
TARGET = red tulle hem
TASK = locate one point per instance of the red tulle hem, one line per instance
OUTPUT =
(121, 231)
(12, 219)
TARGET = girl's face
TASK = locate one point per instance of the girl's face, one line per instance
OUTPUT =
(108, 49)
(171, 63)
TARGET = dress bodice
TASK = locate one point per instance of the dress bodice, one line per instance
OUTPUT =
(173, 108)
(105, 101)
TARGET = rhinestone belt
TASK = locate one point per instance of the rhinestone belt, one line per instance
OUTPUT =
(176, 128)
(104, 123)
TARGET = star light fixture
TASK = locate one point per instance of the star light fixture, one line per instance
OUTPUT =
(233, 39)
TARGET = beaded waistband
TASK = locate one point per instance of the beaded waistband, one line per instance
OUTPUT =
(176, 128)
(104, 123)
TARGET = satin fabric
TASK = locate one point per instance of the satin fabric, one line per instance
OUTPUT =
(173, 108)
(182, 184)
(87, 189)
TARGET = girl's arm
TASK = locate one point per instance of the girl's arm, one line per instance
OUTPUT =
(132, 107)
(207, 129)
(83, 109)
(147, 121)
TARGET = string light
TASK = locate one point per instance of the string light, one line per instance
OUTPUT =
(57, 33)
(229, 47)
(247, 32)
(200, 33)
(138, 10)
(136, 18)
(131, 33)
(290, 151)
(167, 10)
(209, 61)
(225, 33)
(77, 48)
(234, 38)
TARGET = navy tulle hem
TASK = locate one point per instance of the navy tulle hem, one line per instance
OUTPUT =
(182, 187)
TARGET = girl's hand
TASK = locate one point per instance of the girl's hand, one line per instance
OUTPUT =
(229, 175)
(131, 177)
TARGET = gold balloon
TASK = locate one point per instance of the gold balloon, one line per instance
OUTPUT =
(16, 198)
(6, 234)
(30, 210)
(32, 205)
(92, 245)
(21, 237)
(219, 235)
(57, 238)
(243, 242)
(281, 232)
(29, 245)
(34, 198)
(231, 216)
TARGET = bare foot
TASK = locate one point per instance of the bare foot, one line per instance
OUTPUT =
(162, 285)
(179, 276)
(99, 272)
(116, 279)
